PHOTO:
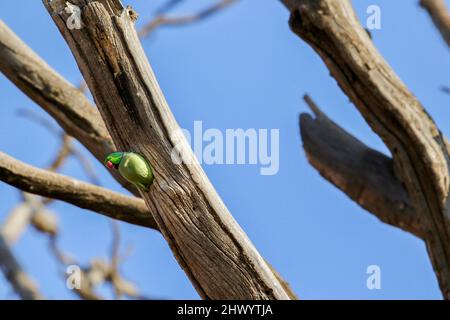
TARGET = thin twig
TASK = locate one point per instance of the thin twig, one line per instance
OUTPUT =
(169, 5)
(165, 20)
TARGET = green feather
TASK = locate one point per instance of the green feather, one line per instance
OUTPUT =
(133, 168)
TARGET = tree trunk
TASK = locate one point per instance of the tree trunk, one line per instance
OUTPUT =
(419, 151)
(209, 245)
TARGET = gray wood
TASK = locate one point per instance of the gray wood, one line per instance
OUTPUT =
(209, 245)
(364, 174)
(419, 150)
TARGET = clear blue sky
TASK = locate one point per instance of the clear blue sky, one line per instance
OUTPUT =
(244, 69)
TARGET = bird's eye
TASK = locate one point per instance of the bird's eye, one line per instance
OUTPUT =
(109, 164)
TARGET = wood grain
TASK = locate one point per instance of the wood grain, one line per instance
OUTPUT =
(364, 174)
(419, 150)
(209, 245)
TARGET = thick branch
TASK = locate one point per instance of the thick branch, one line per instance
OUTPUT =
(439, 13)
(81, 194)
(65, 103)
(418, 148)
(208, 243)
(363, 174)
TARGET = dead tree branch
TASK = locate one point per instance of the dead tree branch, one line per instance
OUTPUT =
(97, 272)
(67, 147)
(16, 222)
(64, 102)
(365, 175)
(439, 13)
(393, 112)
(165, 20)
(213, 250)
(81, 194)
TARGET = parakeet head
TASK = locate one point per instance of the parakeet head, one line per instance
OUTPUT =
(112, 161)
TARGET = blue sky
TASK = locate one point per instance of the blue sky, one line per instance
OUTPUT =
(244, 69)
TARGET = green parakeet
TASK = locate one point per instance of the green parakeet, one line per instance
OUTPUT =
(133, 167)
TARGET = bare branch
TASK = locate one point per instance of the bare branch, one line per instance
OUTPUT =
(365, 175)
(115, 249)
(120, 285)
(81, 194)
(419, 150)
(439, 13)
(16, 222)
(65, 103)
(213, 250)
(168, 5)
(63, 153)
(10, 231)
(97, 272)
(45, 221)
(86, 165)
(22, 284)
(164, 20)
(67, 147)
(42, 121)
(62, 101)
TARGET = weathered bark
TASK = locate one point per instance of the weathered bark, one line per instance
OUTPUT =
(81, 194)
(84, 195)
(65, 103)
(365, 175)
(418, 148)
(439, 14)
(74, 113)
(213, 250)
(54, 94)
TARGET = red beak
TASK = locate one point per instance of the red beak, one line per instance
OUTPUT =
(109, 164)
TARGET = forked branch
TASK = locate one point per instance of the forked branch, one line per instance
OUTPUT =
(419, 150)
(213, 250)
